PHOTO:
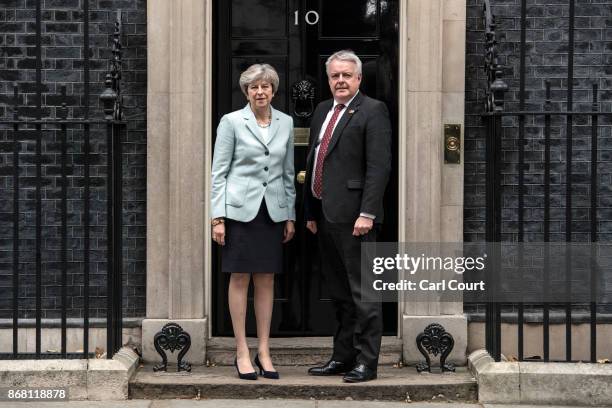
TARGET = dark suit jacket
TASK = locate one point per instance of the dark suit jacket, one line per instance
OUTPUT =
(357, 165)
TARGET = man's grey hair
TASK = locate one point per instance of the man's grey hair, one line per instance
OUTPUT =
(344, 55)
(258, 72)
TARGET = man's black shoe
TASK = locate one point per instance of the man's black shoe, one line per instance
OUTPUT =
(360, 373)
(330, 368)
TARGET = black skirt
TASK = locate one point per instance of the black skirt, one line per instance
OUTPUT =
(255, 246)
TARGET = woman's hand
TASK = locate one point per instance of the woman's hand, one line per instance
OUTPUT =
(289, 231)
(218, 234)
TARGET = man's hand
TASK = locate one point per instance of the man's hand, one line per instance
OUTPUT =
(218, 234)
(363, 225)
(311, 226)
(289, 231)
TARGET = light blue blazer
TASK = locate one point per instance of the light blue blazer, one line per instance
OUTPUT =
(246, 169)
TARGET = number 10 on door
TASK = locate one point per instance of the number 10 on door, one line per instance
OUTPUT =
(311, 17)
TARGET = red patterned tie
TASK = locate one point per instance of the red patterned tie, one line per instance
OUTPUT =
(318, 175)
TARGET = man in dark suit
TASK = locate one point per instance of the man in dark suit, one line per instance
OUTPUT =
(348, 166)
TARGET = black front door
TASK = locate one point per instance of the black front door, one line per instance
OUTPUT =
(296, 37)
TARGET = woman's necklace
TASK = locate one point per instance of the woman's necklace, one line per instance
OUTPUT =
(267, 122)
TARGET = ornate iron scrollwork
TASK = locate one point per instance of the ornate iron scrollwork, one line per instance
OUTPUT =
(303, 95)
(172, 337)
(111, 98)
(496, 87)
(435, 340)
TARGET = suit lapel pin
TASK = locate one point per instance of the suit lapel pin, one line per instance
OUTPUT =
(351, 111)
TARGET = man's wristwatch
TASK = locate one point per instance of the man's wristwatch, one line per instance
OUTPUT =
(217, 221)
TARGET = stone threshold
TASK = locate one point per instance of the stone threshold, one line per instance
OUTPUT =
(539, 383)
(292, 351)
(85, 379)
(393, 384)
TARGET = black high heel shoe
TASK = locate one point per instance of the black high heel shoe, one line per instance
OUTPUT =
(272, 375)
(244, 376)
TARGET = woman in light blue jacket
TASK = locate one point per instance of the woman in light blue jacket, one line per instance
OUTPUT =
(253, 207)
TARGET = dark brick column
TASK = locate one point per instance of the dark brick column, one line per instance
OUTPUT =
(62, 39)
(546, 59)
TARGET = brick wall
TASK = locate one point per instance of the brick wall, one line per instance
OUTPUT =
(62, 39)
(546, 59)
(547, 37)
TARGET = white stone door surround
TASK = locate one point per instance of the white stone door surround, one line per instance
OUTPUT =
(179, 150)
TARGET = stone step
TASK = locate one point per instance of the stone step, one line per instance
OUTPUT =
(294, 351)
(393, 384)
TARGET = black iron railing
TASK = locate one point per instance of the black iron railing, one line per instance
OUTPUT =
(80, 130)
(493, 116)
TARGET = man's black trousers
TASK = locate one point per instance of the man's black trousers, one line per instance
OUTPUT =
(359, 317)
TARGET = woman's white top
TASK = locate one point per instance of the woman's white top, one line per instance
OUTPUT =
(265, 133)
